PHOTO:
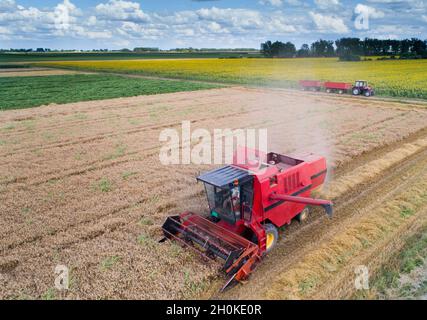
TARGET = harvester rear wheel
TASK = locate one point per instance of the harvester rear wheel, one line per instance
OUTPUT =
(271, 235)
(303, 216)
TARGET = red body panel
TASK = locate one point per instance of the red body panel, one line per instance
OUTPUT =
(338, 85)
(291, 176)
(311, 84)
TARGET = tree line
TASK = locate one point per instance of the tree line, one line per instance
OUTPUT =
(348, 47)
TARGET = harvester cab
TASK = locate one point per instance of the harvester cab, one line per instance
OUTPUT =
(249, 201)
(229, 192)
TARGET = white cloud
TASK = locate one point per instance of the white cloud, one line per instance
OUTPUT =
(328, 4)
(368, 11)
(125, 22)
(294, 2)
(65, 15)
(120, 10)
(402, 7)
(35, 24)
(279, 24)
(92, 21)
(274, 3)
(81, 32)
(4, 30)
(239, 18)
(6, 5)
(329, 24)
(216, 28)
(178, 18)
(134, 30)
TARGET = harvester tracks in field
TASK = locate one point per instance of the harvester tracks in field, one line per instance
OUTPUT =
(99, 164)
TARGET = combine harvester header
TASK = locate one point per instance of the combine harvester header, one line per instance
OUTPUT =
(248, 203)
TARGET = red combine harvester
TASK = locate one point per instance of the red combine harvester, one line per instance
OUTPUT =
(361, 87)
(248, 203)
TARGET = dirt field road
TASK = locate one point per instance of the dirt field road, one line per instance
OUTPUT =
(81, 184)
(35, 72)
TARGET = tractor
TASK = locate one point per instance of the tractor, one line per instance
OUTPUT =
(361, 87)
(248, 202)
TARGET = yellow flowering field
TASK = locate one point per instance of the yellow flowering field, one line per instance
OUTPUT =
(401, 78)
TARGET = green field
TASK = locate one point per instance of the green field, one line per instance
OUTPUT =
(71, 56)
(395, 78)
(26, 92)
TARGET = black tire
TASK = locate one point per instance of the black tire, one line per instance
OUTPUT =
(271, 231)
(328, 90)
(303, 216)
(356, 92)
(340, 91)
(367, 93)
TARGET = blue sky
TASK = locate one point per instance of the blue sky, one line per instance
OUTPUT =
(115, 24)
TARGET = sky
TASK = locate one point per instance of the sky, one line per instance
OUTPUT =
(117, 24)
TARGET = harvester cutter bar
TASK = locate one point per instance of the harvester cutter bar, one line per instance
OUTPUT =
(211, 240)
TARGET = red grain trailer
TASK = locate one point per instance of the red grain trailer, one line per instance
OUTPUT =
(311, 85)
(338, 87)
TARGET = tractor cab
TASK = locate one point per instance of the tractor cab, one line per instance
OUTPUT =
(361, 87)
(361, 84)
(230, 194)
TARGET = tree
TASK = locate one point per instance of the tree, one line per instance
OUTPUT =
(418, 46)
(395, 46)
(266, 49)
(349, 46)
(323, 48)
(278, 49)
(304, 51)
(350, 49)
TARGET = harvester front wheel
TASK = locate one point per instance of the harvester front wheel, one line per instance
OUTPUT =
(271, 235)
(303, 216)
